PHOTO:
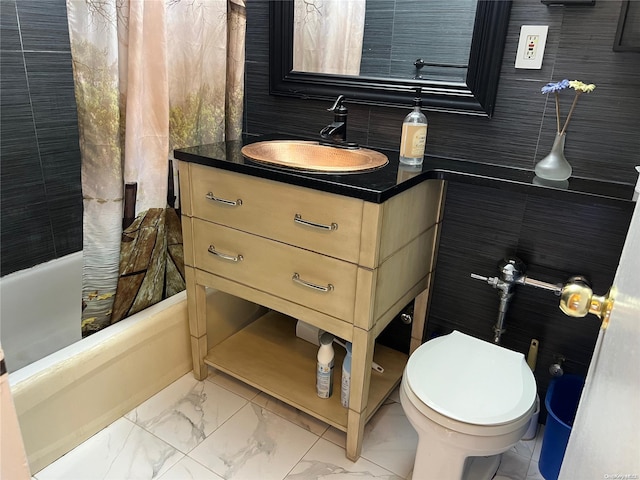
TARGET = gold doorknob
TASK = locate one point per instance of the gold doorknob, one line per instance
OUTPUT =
(577, 300)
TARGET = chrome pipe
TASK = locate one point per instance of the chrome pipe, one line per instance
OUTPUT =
(497, 328)
(555, 288)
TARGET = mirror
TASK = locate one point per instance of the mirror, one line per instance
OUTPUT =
(448, 85)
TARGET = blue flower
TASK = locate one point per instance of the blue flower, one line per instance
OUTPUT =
(578, 86)
(555, 87)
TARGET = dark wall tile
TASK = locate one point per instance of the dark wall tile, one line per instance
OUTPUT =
(375, 66)
(505, 139)
(574, 238)
(257, 50)
(40, 182)
(53, 98)
(481, 226)
(61, 172)
(62, 177)
(15, 90)
(43, 25)
(9, 34)
(448, 25)
(25, 243)
(377, 38)
(25, 228)
(65, 211)
(18, 131)
(376, 42)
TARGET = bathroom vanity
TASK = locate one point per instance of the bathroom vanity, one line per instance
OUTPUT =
(344, 253)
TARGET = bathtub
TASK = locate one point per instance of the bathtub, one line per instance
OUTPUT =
(40, 310)
(69, 395)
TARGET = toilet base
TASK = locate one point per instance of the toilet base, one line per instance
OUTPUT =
(475, 468)
(481, 468)
(447, 453)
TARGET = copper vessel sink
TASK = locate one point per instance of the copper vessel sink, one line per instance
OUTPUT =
(312, 156)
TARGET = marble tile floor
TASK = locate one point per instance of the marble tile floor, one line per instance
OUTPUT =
(221, 428)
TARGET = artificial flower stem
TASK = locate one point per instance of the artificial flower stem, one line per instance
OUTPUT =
(573, 105)
(558, 110)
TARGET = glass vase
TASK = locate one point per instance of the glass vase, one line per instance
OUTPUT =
(554, 166)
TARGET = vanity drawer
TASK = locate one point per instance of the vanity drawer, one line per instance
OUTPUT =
(269, 266)
(279, 211)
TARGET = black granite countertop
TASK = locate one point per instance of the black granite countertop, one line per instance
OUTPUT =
(379, 185)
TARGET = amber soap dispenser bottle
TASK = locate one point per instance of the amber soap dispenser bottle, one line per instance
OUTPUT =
(414, 135)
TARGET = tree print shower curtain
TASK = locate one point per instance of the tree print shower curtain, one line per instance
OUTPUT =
(150, 76)
(328, 36)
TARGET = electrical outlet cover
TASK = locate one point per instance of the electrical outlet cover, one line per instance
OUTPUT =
(533, 39)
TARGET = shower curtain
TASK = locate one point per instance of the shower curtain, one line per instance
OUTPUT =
(150, 76)
(328, 36)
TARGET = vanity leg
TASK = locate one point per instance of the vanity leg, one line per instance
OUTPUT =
(362, 356)
(198, 352)
(355, 434)
(197, 308)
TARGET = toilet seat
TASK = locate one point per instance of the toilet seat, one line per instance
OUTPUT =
(495, 387)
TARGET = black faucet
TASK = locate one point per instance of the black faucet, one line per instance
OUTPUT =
(335, 134)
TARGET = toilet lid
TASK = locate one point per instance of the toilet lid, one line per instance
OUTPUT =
(470, 380)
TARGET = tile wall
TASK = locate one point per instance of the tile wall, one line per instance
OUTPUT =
(392, 36)
(40, 193)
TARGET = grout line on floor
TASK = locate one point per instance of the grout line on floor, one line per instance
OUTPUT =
(302, 457)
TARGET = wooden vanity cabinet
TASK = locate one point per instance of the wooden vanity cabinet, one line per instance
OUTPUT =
(339, 263)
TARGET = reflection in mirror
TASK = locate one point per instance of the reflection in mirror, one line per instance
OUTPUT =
(383, 52)
(327, 36)
(384, 38)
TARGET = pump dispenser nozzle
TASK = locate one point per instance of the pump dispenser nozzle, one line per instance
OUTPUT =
(417, 100)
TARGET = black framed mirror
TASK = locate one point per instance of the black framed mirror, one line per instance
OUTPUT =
(628, 32)
(474, 95)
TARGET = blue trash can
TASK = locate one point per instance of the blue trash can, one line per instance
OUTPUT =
(561, 401)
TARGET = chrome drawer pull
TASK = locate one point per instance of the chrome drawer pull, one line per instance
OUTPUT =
(211, 196)
(296, 278)
(298, 219)
(224, 256)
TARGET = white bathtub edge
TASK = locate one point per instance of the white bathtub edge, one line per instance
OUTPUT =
(72, 394)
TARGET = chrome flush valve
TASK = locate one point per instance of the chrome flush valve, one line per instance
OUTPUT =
(512, 272)
(511, 269)
(576, 296)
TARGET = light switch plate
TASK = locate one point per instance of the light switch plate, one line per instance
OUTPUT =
(533, 39)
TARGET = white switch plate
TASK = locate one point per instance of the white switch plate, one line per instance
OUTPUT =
(533, 39)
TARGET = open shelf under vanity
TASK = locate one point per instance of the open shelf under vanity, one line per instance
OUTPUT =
(269, 356)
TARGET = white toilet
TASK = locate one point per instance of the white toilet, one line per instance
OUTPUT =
(469, 401)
